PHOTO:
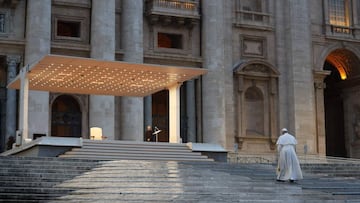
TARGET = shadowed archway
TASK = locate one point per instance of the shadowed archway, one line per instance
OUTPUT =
(339, 101)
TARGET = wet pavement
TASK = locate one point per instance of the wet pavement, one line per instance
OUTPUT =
(167, 181)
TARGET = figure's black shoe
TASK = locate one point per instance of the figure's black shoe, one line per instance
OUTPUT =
(278, 180)
(291, 181)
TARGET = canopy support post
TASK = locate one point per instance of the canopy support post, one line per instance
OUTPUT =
(24, 104)
(174, 113)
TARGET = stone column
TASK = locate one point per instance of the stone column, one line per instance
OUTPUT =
(213, 49)
(12, 63)
(319, 85)
(191, 111)
(38, 36)
(102, 108)
(132, 109)
(301, 113)
(280, 34)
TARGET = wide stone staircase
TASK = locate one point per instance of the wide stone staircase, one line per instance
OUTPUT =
(59, 180)
(30, 179)
(129, 150)
(331, 166)
(33, 179)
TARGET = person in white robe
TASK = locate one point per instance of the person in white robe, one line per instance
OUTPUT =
(288, 163)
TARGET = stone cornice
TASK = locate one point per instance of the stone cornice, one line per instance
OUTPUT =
(12, 42)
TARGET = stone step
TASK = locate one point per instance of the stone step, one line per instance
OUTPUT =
(134, 144)
(28, 183)
(44, 169)
(143, 145)
(135, 153)
(33, 179)
(132, 150)
(10, 166)
(5, 161)
(134, 157)
(333, 169)
(115, 149)
(34, 190)
(28, 197)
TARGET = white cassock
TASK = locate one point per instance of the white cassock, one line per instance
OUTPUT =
(288, 162)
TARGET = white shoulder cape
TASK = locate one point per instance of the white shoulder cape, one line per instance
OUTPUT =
(286, 139)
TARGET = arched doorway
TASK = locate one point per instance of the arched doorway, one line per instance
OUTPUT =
(66, 117)
(340, 102)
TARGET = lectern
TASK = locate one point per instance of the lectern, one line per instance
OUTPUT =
(157, 131)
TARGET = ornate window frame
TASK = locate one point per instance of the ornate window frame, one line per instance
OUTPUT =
(351, 29)
(81, 39)
(241, 15)
(185, 40)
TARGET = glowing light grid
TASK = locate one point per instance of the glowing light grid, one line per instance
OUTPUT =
(77, 75)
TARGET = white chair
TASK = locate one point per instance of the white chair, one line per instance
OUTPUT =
(96, 133)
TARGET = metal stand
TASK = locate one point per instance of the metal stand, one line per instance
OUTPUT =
(157, 131)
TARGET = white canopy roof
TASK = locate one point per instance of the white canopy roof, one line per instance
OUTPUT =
(65, 74)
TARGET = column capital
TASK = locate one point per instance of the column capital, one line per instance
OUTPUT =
(13, 59)
(319, 77)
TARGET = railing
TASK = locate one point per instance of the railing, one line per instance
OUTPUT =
(343, 32)
(176, 4)
(173, 7)
(341, 29)
(243, 17)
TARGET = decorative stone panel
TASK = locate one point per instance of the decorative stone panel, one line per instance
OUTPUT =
(257, 111)
(253, 46)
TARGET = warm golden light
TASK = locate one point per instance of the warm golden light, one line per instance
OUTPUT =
(342, 74)
(89, 76)
(339, 65)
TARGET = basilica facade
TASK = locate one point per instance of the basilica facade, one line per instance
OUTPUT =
(271, 64)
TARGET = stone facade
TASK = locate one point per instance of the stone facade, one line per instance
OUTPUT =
(271, 64)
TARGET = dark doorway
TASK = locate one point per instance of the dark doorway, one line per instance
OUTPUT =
(334, 113)
(66, 117)
(160, 114)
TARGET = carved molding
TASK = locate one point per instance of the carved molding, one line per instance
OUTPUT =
(256, 68)
(9, 3)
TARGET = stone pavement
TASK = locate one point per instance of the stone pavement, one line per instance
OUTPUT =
(167, 181)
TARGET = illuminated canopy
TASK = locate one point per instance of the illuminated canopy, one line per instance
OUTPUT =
(77, 75)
